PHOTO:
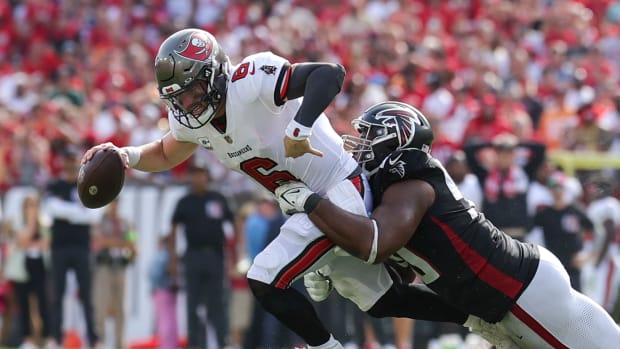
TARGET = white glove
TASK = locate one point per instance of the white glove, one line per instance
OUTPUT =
(493, 333)
(292, 197)
(318, 284)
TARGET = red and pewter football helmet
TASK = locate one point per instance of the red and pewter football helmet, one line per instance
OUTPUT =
(192, 72)
(384, 128)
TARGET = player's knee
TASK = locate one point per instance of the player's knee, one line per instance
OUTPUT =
(260, 290)
(270, 297)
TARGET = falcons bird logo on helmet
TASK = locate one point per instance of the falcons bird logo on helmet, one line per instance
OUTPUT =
(401, 120)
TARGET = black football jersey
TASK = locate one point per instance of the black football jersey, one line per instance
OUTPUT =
(458, 253)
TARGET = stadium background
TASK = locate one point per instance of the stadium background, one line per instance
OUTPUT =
(80, 73)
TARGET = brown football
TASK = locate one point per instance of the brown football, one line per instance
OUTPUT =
(101, 179)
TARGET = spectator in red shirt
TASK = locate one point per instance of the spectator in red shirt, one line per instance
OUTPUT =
(488, 123)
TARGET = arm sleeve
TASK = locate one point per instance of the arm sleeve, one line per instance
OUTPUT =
(318, 83)
(274, 80)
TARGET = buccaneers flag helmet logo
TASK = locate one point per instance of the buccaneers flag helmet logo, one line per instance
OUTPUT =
(198, 48)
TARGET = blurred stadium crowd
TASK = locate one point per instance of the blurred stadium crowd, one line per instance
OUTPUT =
(548, 71)
(81, 72)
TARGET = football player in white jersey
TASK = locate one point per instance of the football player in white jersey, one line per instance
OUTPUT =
(602, 276)
(252, 117)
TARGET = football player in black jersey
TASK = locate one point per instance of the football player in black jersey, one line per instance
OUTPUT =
(420, 219)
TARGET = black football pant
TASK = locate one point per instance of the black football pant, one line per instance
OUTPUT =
(293, 310)
(299, 315)
(416, 301)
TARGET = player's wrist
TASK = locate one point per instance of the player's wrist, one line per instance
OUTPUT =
(372, 255)
(297, 131)
(133, 155)
(312, 202)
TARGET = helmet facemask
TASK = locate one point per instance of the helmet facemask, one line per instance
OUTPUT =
(372, 145)
(197, 103)
(384, 128)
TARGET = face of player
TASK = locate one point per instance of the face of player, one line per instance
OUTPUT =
(192, 100)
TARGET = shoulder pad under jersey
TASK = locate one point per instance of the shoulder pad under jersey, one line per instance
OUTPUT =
(262, 75)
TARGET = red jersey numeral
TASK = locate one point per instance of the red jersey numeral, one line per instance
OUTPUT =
(260, 169)
(242, 71)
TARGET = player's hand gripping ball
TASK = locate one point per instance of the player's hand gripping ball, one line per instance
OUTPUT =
(101, 179)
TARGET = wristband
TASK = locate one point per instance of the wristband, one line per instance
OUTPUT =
(312, 202)
(297, 131)
(375, 242)
(133, 155)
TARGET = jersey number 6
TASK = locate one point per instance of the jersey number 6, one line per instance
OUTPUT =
(260, 169)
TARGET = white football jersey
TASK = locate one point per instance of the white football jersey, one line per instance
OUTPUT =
(256, 118)
(599, 211)
(603, 209)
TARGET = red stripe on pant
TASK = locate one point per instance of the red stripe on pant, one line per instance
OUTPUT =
(535, 326)
(302, 264)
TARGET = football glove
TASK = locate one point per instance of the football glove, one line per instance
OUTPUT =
(318, 284)
(492, 333)
(295, 197)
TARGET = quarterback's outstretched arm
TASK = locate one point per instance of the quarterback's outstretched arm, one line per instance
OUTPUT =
(163, 154)
(402, 207)
(160, 155)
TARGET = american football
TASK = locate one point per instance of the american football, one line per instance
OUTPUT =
(101, 179)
